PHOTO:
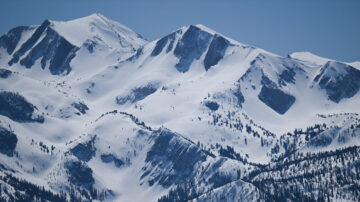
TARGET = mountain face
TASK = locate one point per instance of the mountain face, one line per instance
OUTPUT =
(191, 44)
(89, 110)
(339, 80)
(56, 44)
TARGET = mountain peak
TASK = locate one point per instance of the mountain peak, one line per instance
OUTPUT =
(58, 41)
(89, 18)
(213, 32)
(95, 15)
(189, 43)
(205, 28)
(113, 33)
(308, 57)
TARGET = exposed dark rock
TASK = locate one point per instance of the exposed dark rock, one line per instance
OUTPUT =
(276, 99)
(137, 94)
(322, 140)
(287, 76)
(109, 158)
(52, 49)
(160, 44)
(239, 96)
(10, 40)
(8, 141)
(55, 49)
(213, 106)
(81, 107)
(79, 174)
(175, 157)
(30, 42)
(90, 89)
(4, 73)
(216, 51)
(265, 81)
(339, 80)
(84, 151)
(138, 53)
(17, 108)
(219, 179)
(90, 45)
(191, 46)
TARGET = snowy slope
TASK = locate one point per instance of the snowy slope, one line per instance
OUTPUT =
(93, 111)
(58, 45)
(317, 60)
(98, 27)
(309, 57)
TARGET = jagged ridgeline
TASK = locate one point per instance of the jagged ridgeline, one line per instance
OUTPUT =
(92, 111)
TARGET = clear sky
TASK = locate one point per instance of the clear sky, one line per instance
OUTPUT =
(329, 28)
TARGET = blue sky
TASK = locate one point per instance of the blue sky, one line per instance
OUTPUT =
(329, 28)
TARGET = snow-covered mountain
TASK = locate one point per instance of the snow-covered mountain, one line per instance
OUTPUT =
(54, 45)
(89, 110)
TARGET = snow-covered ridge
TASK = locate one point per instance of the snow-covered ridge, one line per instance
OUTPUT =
(58, 45)
(96, 25)
(91, 111)
(310, 57)
(317, 60)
